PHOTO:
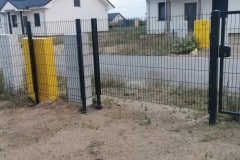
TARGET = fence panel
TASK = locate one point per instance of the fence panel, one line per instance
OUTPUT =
(149, 64)
(229, 99)
(12, 70)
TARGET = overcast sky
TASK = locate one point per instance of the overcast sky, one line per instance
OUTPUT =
(129, 8)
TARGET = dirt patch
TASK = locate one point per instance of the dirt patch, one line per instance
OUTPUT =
(124, 129)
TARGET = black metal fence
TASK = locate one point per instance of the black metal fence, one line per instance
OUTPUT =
(147, 63)
(147, 60)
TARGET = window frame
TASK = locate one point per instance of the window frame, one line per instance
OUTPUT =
(14, 20)
(161, 5)
(37, 22)
(77, 3)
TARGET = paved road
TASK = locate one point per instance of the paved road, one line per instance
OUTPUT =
(177, 70)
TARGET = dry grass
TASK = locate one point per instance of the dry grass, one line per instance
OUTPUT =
(158, 91)
(134, 41)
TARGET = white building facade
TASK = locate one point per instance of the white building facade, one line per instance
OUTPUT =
(182, 14)
(52, 17)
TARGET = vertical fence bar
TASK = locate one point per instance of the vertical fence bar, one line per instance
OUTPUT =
(222, 43)
(96, 62)
(22, 25)
(9, 23)
(213, 74)
(81, 65)
(33, 62)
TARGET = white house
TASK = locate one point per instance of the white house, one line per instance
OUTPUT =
(179, 15)
(51, 16)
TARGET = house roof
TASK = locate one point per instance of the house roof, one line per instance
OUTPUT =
(2, 3)
(24, 4)
(111, 16)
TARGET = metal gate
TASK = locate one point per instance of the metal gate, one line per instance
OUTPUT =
(224, 89)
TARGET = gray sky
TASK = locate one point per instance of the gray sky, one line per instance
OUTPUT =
(129, 8)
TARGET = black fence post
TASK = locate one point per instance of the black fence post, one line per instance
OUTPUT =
(81, 65)
(96, 62)
(33, 62)
(213, 74)
(9, 23)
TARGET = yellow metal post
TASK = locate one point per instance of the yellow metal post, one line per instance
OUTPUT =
(46, 68)
(202, 33)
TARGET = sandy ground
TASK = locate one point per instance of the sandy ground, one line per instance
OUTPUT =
(123, 130)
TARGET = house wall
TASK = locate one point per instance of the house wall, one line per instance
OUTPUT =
(2, 24)
(65, 11)
(60, 16)
(178, 24)
(37, 30)
(18, 29)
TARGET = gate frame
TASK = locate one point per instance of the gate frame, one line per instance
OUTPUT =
(213, 70)
(218, 51)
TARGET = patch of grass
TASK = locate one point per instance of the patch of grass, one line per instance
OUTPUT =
(208, 155)
(147, 120)
(158, 91)
(185, 96)
(90, 126)
(94, 148)
(231, 100)
(62, 86)
(107, 83)
(109, 103)
(228, 118)
(134, 41)
(16, 98)
(208, 138)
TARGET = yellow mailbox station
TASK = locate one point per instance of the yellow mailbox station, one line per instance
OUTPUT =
(202, 33)
(45, 67)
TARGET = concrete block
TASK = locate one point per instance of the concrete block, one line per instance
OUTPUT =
(11, 60)
(73, 80)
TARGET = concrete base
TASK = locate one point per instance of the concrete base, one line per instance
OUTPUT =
(11, 60)
(73, 80)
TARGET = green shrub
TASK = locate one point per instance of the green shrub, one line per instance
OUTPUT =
(184, 45)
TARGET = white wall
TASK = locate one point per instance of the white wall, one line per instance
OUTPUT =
(37, 30)
(154, 26)
(63, 10)
(18, 29)
(233, 21)
(178, 24)
(2, 24)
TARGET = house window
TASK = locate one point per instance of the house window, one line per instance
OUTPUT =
(161, 11)
(76, 3)
(25, 19)
(0, 23)
(37, 19)
(14, 20)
